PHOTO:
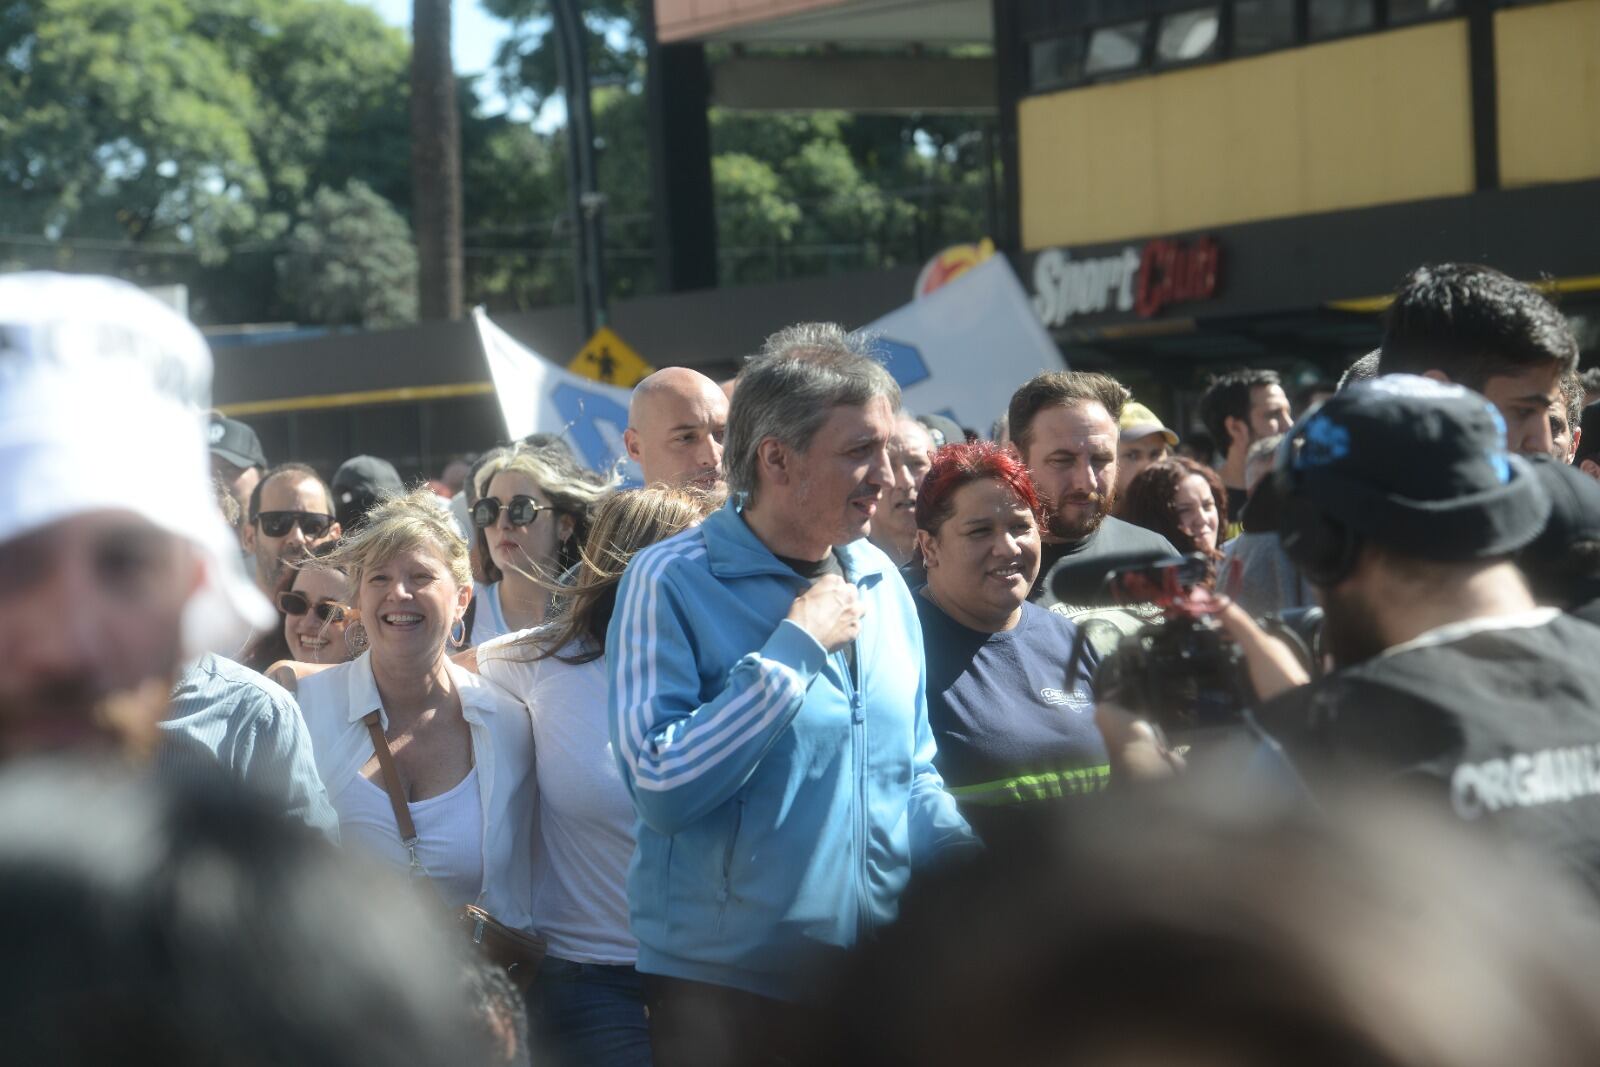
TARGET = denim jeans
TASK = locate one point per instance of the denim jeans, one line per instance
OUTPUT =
(695, 1024)
(589, 1015)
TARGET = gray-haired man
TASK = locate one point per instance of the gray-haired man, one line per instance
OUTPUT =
(769, 716)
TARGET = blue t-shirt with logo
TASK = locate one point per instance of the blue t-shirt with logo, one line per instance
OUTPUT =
(1012, 727)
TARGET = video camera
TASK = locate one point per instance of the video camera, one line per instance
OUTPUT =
(1181, 671)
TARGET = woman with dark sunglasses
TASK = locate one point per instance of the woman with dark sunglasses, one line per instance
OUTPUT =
(316, 609)
(530, 514)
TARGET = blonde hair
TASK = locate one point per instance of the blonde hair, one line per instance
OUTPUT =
(397, 524)
(623, 524)
(573, 491)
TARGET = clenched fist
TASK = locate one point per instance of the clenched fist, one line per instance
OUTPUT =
(829, 611)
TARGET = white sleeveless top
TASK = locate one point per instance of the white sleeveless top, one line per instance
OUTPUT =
(336, 700)
(449, 834)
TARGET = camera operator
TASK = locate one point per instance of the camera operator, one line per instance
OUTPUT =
(1400, 503)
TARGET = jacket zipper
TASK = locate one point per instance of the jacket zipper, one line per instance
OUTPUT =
(858, 746)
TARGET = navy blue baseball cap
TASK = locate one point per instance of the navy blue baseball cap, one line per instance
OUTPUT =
(1410, 463)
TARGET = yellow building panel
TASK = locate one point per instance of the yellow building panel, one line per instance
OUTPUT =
(1375, 119)
(1547, 69)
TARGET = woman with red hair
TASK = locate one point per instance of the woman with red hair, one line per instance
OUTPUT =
(1012, 727)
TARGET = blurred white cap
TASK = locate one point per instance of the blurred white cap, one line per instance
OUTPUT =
(104, 393)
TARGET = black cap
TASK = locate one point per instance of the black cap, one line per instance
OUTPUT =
(943, 430)
(1574, 506)
(1410, 463)
(361, 482)
(235, 442)
(1556, 573)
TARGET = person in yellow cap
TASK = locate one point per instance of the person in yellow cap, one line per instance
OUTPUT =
(1141, 441)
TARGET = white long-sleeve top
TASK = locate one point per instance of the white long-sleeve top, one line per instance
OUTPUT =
(334, 702)
(580, 892)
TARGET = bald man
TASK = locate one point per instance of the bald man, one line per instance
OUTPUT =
(676, 418)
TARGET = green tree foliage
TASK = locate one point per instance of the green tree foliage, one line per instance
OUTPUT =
(527, 59)
(517, 252)
(351, 261)
(805, 194)
(181, 140)
(846, 192)
(118, 121)
(190, 140)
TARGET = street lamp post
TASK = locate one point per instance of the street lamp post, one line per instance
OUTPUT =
(588, 203)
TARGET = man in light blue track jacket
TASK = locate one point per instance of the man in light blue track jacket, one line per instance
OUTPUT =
(768, 714)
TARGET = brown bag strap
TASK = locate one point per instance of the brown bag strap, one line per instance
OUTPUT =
(391, 785)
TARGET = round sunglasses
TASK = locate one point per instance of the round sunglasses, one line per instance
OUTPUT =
(298, 604)
(521, 511)
(279, 523)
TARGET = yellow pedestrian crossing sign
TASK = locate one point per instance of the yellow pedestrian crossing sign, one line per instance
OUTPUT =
(608, 358)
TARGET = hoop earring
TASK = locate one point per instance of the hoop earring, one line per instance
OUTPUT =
(459, 642)
(355, 638)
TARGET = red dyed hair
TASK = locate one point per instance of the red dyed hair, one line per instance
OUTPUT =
(957, 465)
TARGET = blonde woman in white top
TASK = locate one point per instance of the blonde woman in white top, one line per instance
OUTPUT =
(463, 749)
(588, 999)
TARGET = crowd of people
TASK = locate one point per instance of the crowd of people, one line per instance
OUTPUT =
(848, 736)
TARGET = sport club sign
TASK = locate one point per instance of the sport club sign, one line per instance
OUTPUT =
(1140, 280)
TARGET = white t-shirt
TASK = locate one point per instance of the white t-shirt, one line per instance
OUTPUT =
(449, 834)
(580, 894)
(488, 620)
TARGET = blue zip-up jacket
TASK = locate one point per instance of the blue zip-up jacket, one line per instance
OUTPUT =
(781, 808)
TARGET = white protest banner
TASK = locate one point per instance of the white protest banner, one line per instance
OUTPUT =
(539, 396)
(963, 349)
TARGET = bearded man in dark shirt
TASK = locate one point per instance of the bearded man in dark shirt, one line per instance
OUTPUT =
(1064, 425)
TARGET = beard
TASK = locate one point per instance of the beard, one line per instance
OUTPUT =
(1350, 630)
(275, 574)
(1075, 525)
(73, 715)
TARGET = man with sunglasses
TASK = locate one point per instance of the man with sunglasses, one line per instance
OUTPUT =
(291, 514)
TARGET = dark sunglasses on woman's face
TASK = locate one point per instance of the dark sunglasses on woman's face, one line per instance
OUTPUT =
(521, 511)
(279, 523)
(297, 604)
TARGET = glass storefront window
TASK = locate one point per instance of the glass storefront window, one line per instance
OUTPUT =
(1330, 18)
(1116, 48)
(1187, 35)
(1260, 25)
(1412, 10)
(1055, 62)
(1195, 34)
